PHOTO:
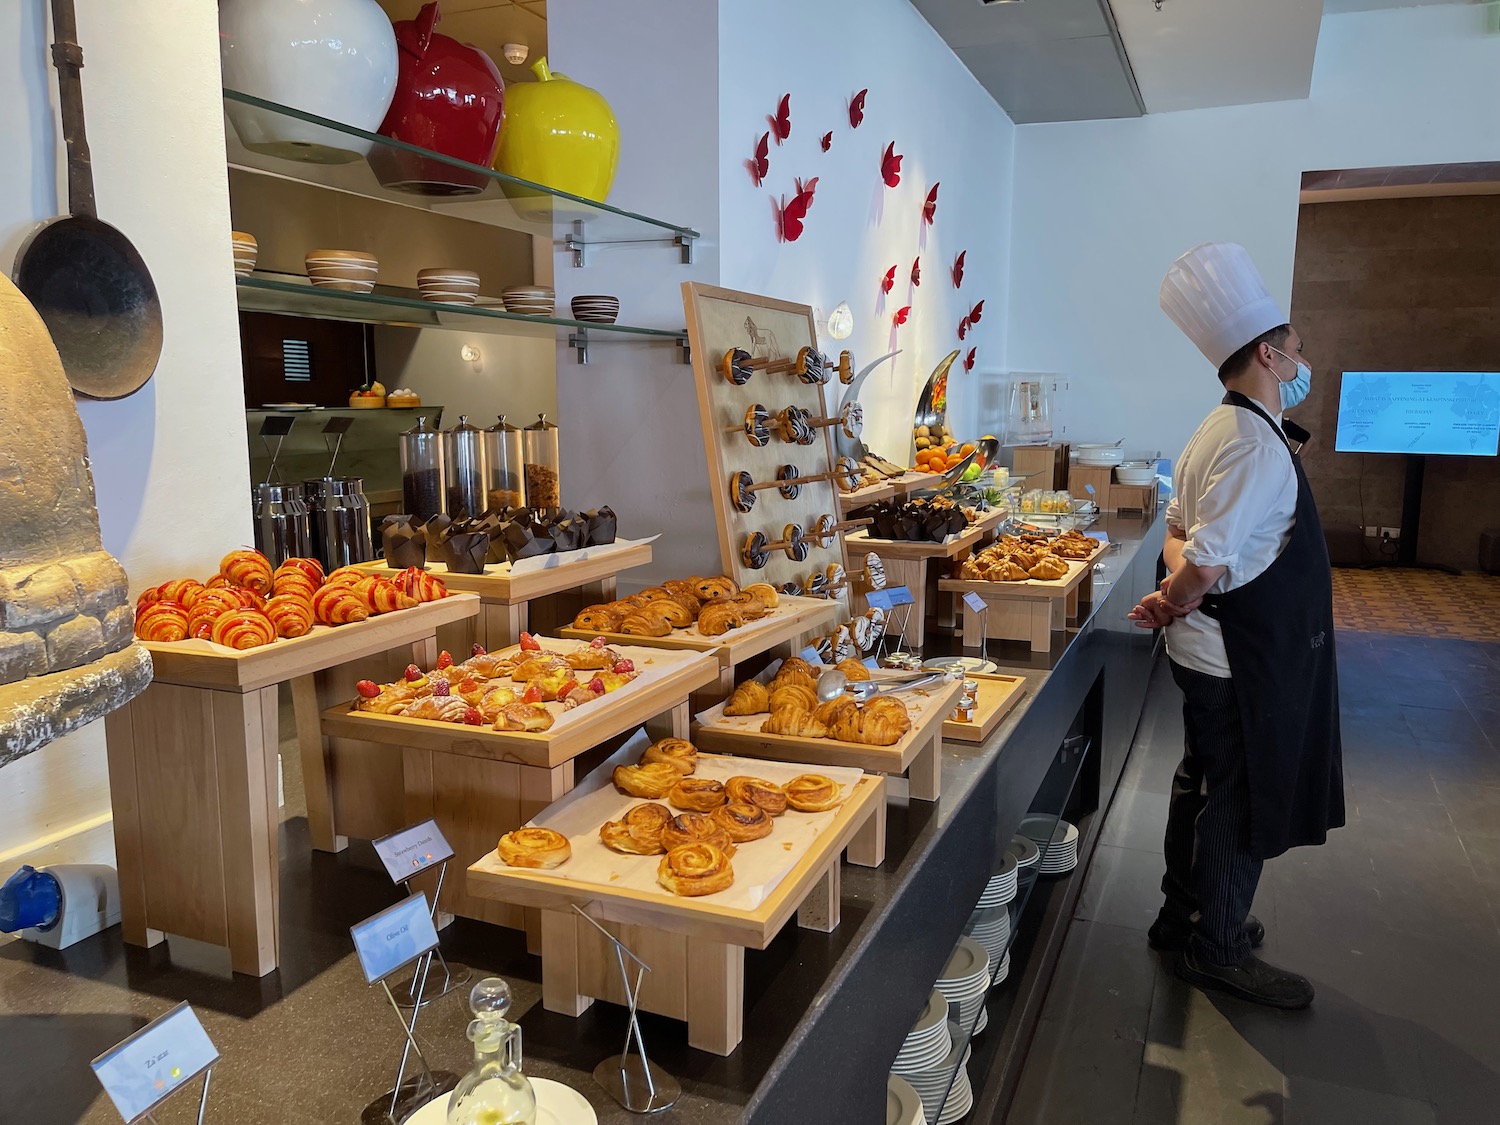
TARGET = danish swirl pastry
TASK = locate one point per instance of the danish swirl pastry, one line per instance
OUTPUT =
(695, 869)
(161, 621)
(678, 753)
(756, 791)
(695, 828)
(292, 614)
(653, 781)
(812, 792)
(742, 821)
(697, 794)
(535, 848)
(750, 698)
(638, 832)
(247, 568)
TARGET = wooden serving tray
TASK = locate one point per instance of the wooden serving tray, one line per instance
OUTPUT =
(195, 663)
(666, 680)
(997, 696)
(861, 541)
(497, 583)
(793, 617)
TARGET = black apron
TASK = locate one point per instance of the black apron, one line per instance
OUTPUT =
(1278, 636)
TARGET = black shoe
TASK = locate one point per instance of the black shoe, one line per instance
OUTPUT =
(1252, 979)
(1168, 938)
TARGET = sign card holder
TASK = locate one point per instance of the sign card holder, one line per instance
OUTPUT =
(410, 852)
(890, 599)
(144, 1070)
(981, 607)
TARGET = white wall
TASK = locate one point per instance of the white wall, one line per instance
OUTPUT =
(948, 129)
(1102, 208)
(170, 466)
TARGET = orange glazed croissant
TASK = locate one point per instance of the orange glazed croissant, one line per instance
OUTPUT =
(382, 595)
(294, 582)
(794, 722)
(750, 698)
(308, 566)
(247, 568)
(291, 614)
(201, 617)
(161, 621)
(243, 628)
(421, 585)
(336, 604)
(717, 618)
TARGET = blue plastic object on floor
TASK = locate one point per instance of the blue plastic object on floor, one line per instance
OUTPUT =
(30, 899)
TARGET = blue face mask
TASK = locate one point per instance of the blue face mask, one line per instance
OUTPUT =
(1294, 392)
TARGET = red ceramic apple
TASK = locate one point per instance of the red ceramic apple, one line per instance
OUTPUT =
(449, 99)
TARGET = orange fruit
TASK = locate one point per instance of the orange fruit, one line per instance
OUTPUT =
(967, 448)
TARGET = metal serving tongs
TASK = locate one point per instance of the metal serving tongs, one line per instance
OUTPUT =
(338, 427)
(274, 426)
(834, 683)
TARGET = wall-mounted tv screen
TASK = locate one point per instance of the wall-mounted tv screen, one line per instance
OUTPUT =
(1443, 412)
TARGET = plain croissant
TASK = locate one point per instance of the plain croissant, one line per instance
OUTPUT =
(750, 698)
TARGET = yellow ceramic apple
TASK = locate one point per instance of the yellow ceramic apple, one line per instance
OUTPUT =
(560, 134)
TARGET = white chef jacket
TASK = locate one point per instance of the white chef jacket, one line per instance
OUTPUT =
(1236, 500)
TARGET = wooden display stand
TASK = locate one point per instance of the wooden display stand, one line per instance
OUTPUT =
(696, 950)
(1110, 495)
(1022, 611)
(192, 776)
(998, 696)
(918, 754)
(907, 563)
(790, 625)
(480, 783)
(1040, 466)
(504, 595)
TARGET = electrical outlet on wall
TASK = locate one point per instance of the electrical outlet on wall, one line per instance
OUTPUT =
(1372, 531)
(1390, 533)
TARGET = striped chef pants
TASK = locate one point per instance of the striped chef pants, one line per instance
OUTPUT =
(1211, 874)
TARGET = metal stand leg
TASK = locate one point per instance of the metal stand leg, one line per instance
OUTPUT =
(397, 1103)
(451, 980)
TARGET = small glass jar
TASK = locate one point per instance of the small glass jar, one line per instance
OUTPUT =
(543, 465)
(463, 469)
(421, 471)
(503, 460)
(968, 702)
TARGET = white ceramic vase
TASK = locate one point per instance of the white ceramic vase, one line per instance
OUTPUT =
(334, 58)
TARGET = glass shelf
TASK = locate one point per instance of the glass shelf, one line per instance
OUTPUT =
(292, 296)
(280, 141)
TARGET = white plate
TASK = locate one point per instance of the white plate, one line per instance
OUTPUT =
(966, 961)
(1025, 851)
(289, 407)
(902, 1106)
(556, 1104)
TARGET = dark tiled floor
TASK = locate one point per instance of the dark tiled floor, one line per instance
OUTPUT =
(1395, 921)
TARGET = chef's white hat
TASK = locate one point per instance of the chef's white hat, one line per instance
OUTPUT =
(1216, 296)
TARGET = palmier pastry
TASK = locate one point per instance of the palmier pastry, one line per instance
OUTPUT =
(598, 619)
(812, 792)
(291, 614)
(743, 821)
(676, 752)
(438, 708)
(853, 669)
(695, 828)
(645, 623)
(638, 832)
(719, 586)
(247, 568)
(717, 618)
(765, 592)
(653, 780)
(793, 695)
(756, 791)
(697, 794)
(750, 698)
(673, 612)
(161, 621)
(695, 869)
(535, 847)
(532, 718)
(243, 628)
(1049, 569)
(590, 657)
(338, 605)
(793, 722)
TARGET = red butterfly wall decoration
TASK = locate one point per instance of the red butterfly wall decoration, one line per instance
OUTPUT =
(969, 360)
(958, 269)
(890, 166)
(916, 272)
(827, 141)
(794, 214)
(963, 328)
(901, 314)
(857, 109)
(781, 124)
(888, 282)
(929, 209)
(976, 312)
(761, 163)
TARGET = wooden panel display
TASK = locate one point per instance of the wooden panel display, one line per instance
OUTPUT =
(774, 333)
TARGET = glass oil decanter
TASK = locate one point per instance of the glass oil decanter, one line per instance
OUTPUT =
(494, 1092)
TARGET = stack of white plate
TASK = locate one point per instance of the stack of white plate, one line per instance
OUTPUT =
(1002, 972)
(1024, 850)
(991, 928)
(1002, 885)
(902, 1105)
(928, 1041)
(965, 979)
(446, 286)
(1099, 455)
(529, 300)
(1061, 852)
(596, 308)
(245, 251)
(932, 1084)
(352, 271)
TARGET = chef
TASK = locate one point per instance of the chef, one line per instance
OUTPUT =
(1248, 613)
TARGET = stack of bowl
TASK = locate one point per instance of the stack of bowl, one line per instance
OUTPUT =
(446, 286)
(245, 251)
(352, 271)
(1136, 472)
(529, 300)
(596, 309)
(1100, 454)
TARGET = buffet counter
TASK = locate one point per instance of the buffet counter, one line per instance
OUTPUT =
(825, 1013)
